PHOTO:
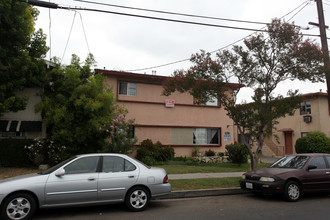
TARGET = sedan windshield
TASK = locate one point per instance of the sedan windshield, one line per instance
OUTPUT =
(291, 162)
(48, 171)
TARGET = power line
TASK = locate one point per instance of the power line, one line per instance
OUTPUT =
(171, 13)
(231, 44)
(55, 6)
(82, 24)
(165, 19)
(67, 42)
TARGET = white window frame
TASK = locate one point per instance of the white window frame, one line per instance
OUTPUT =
(204, 136)
(305, 108)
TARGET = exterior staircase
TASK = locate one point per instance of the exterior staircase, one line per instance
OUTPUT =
(270, 149)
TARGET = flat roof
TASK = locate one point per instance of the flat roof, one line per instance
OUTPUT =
(145, 78)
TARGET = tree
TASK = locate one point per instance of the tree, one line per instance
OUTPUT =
(21, 54)
(262, 64)
(75, 104)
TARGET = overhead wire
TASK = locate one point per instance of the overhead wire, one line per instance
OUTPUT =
(67, 42)
(304, 4)
(50, 34)
(82, 24)
(170, 13)
(76, 9)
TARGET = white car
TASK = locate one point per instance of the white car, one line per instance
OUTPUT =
(84, 180)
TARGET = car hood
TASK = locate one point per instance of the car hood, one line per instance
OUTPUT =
(268, 172)
(27, 176)
(22, 182)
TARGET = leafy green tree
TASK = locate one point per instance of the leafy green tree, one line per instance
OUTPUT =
(264, 62)
(21, 52)
(75, 104)
(313, 142)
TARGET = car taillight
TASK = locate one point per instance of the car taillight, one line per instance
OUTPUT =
(165, 179)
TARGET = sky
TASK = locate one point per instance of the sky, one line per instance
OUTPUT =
(149, 46)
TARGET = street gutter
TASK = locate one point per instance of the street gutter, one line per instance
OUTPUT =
(202, 193)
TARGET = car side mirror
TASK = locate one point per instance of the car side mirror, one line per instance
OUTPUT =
(311, 167)
(60, 172)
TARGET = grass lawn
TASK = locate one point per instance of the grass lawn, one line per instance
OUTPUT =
(207, 183)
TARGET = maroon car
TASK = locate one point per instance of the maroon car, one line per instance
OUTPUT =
(291, 176)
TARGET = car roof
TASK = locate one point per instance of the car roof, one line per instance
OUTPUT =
(101, 154)
(310, 154)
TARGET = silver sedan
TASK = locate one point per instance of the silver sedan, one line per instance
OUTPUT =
(84, 180)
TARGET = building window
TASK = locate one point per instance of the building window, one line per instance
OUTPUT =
(242, 137)
(206, 136)
(305, 108)
(131, 132)
(127, 88)
(212, 101)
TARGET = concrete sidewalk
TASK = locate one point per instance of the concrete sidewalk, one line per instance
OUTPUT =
(203, 175)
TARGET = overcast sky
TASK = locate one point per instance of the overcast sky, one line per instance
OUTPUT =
(134, 44)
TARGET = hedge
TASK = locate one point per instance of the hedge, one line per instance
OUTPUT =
(13, 153)
(313, 142)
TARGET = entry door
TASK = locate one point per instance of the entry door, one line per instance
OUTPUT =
(288, 143)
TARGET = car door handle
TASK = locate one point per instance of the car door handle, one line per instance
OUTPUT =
(131, 176)
(91, 179)
(327, 173)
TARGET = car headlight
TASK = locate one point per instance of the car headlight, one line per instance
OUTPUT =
(267, 179)
(243, 177)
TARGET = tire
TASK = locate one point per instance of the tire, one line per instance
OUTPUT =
(292, 191)
(137, 199)
(19, 206)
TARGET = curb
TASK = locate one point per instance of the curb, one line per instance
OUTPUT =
(201, 193)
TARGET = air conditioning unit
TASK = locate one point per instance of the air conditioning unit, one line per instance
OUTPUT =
(308, 119)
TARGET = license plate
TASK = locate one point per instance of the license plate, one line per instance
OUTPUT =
(249, 185)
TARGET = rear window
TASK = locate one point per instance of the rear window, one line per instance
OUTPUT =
(291, 162)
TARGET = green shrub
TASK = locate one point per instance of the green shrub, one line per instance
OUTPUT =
(221, 154)
(237, 153)
(149, 153)
(13, 153)
(166, 153)
(45, 151)
(313, 142)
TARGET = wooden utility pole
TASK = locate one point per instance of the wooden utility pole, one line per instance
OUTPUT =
(324, 43)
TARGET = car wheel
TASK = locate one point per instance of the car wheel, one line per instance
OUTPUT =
(19, 206)
(137, 199)
(292, 191)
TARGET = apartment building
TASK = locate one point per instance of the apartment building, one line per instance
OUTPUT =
(175, 120)
(26, 123)
(312, 116)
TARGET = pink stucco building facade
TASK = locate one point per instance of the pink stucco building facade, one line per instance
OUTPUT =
(173, 120)
(313, 115)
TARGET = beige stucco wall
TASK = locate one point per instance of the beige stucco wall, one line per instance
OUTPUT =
(29, 113)
(160, 123)
(320, 122)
